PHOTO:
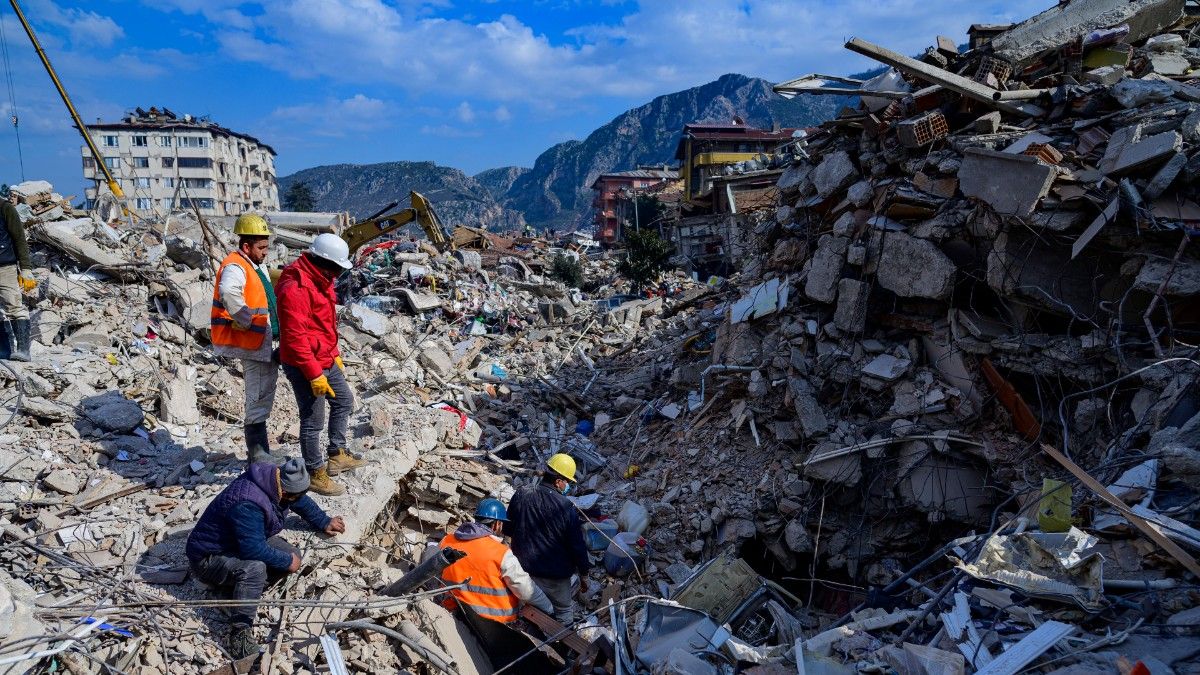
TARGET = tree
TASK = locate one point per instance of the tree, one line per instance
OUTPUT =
(566, 269)
(298, 197)
(646, 257)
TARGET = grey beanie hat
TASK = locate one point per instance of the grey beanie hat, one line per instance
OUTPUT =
(293, 477)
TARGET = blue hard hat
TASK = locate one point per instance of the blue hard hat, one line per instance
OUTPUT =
(492, 509)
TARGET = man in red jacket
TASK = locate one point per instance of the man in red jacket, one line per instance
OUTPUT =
(307, 304)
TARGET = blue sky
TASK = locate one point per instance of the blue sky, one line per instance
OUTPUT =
(473, 85)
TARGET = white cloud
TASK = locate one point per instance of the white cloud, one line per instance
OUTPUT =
(465, 113)
(333, 117)
(502, 114)
(86, 29)
(448, 131)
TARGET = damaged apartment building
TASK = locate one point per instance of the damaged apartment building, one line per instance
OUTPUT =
(164, 161)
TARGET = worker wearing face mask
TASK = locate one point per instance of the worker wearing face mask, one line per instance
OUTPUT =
(547, 536)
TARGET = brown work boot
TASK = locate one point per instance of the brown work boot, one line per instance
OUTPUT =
(342, 461)
(322, 484)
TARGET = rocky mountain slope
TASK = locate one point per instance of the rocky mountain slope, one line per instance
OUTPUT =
(555, 192)
(363, 189)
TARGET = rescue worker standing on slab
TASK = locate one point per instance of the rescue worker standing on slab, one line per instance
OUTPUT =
(308, 348)
(495, 581)
(14, 279)
(547, 536)
(245, 325)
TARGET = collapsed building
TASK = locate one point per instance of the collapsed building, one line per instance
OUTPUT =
(943, 419)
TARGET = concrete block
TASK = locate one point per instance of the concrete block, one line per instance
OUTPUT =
(851, 312)
(835, 173)
(436, 360)
(177, 399)
(1064, 23)
(113, 412)
(810, 417)
(1009, 183)
(988, 124)
(912, 267)
(1184, 279)
(1165, 176)
(887, 367)
(186, 251)
(63, 482)
(1107, 75)
(1170, 65)
(369, 321)
(825, 268)
(1141, 153)
(44, 325)
(1191, 127)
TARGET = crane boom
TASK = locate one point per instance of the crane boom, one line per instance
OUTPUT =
(113, 186)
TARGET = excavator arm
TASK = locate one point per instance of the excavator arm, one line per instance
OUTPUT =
(421, 211)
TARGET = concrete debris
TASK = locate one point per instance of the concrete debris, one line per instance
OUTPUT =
(981, 273)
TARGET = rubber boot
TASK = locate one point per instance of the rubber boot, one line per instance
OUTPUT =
(322, 484)
(341, 461)
(5, 339)
(258, 443)
(21, 332)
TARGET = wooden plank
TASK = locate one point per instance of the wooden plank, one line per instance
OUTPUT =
(550, 626)
(1139, 522)
(1029, 648)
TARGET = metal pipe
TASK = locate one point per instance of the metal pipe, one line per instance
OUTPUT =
(432, 658)
(1021, 94)
(431, 566)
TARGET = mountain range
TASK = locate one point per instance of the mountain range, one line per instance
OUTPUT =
(556, 191)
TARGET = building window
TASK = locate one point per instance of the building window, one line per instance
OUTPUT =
(110, 141)
(139, 142)
(196, 182)
(141, 162)
(89, 163)
(169, 182)
(168, 203)
(164, 141)
(193, 162)
(112, 162)
(168, 162)
(197, 202)
(141, 182)
(193, 142)
(143, 204)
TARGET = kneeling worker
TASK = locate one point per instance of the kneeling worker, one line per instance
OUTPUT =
(245, 325)
(233, 544)
(495, 581)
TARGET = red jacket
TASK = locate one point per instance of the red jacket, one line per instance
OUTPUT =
(307, 318)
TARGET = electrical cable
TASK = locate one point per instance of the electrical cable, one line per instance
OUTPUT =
(12, 97)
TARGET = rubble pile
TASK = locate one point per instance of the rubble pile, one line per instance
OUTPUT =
(943, 419)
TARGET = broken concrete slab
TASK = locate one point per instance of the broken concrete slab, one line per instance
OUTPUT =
(1011, 184)
(1146, 151)
(912, 267)
(851, 312)
(835, 173)
(369, 321)
(825, 268)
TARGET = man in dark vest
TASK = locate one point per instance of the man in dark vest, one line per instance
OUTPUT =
(14, 278)
(233, 545)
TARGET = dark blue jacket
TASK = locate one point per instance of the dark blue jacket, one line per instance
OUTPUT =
(546, 534)
(247, 513)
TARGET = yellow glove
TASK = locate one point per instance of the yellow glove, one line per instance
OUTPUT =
(27, 282)
(320, 387)
(341, 366)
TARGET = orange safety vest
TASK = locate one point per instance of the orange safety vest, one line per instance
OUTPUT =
(486, 592)
(224, 331)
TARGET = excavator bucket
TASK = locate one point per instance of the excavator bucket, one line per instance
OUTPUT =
(361, 233)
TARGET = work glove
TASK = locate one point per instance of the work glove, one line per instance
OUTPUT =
(341, 366)
(320, 387)
(28, 283)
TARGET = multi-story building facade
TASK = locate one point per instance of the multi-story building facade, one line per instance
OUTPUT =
(166, 162)
(705, 150)
(613, 192)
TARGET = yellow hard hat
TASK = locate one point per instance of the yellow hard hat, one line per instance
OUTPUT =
(251, 224)
(563, 465)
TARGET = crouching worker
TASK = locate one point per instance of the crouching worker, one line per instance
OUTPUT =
(495, 582)
(234, 546)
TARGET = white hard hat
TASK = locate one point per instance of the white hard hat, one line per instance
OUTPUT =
(332, 248)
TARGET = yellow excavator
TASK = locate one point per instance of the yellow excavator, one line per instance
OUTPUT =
(361, 233)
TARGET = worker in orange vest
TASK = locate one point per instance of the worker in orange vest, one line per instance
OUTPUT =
(245, 325)
(496, 583)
